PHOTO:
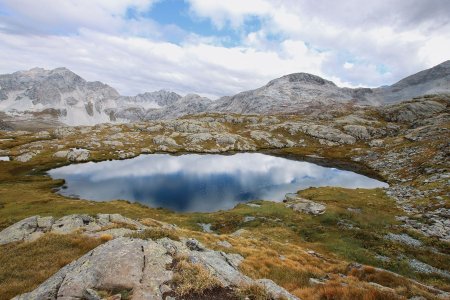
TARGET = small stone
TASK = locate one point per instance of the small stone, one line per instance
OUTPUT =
(90, 294)
(194, 245)
(206, 227)
(224, 244)
(315, 281)
(248, 219)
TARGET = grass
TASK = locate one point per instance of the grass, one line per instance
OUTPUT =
(156, 234)
(25, 265)
(252, 292)
(335, 291)
(192, 278)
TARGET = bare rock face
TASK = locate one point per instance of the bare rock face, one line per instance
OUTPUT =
(304, 205)
(27, 156)
(413, 111)
(33, 227)
(318, 131)
(19, 231)
(78, 155)
(162, 140)
(358, 131)
(123, 263)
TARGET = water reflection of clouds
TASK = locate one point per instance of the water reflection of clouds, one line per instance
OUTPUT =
(201, 182)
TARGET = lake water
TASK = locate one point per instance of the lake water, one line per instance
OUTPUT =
(204, 183)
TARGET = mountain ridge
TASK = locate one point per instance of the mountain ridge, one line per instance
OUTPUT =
(75, 101)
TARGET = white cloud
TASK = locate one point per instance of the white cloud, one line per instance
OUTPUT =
(232, 11)
(352, 44)
(402, 36)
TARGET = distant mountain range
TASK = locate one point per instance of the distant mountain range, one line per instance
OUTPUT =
(65, 96)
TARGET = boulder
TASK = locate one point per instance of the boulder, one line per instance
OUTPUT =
(358, 131)
(376, 143)
(276, 291)
(27, 156)
(19, 231)
(304, 205)
(71, 223)
(34, 227)
(78, 155)
(122, 264)
(162, 140)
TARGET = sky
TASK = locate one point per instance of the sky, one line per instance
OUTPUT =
(217, 48)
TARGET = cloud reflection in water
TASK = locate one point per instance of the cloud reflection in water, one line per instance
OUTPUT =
(194, 182)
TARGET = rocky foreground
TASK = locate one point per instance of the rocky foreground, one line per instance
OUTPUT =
(145, 267)
(151, 262)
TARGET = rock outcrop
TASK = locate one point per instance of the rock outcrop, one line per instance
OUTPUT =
(304, 205)
(33, 227)
(145, 268)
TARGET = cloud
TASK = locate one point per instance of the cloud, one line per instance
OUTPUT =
(382, 41)
(135, 64)
(386, 40)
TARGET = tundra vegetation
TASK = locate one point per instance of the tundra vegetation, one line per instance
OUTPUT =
(388, 243)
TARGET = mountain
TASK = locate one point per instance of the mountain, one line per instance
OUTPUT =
(435, 80)
(290, 92)
(301, 90)
(65, 96)
(59, 92)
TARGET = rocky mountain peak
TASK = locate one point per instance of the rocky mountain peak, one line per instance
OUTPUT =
(437, 72)
(301, 78)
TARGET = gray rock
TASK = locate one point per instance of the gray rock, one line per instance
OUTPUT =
(248, 219)
(90, 294)
(315, 281)
(78, 155)
(224, 244)
(376, 143)
(320, 132)
(27, 156)
(140, 266)
(223, 266)
(275, 290)
(119, 264)
(409, 112)
(117, 218)
(240, 232)
(45, 223)
(206, 227)
(304, 205)
(404, 239)
(162, 140)
(19, 231)
(358, 131)
(422, 267)
(61, 154)
(71, 223)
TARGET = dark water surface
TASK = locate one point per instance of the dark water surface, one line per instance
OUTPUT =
(194, 182)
